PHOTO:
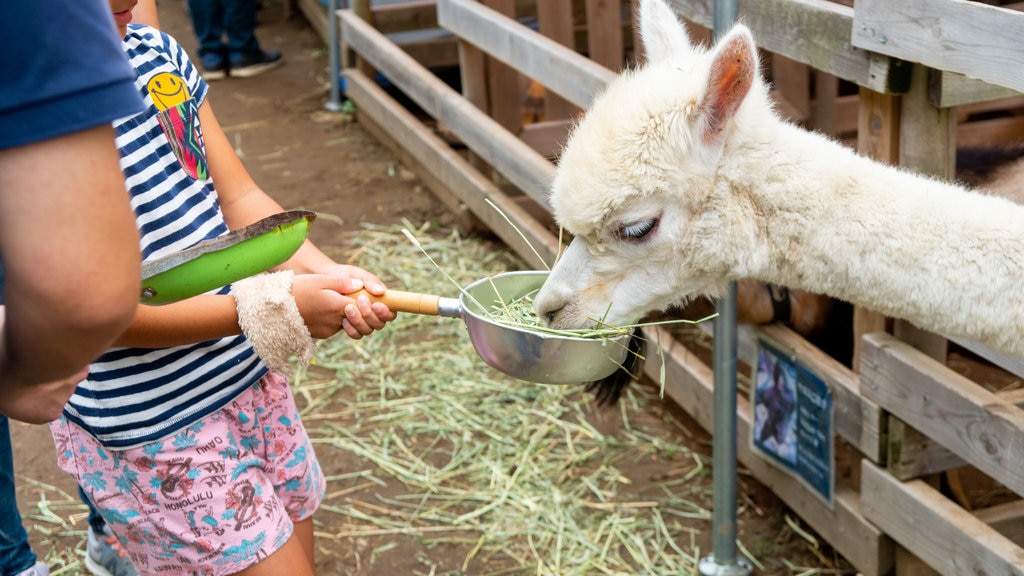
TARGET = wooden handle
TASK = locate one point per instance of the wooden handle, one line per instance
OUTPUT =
(399, 301)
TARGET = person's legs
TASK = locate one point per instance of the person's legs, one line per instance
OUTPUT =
(240, 26)
(208, 25)
(245, 55)
(15, 553)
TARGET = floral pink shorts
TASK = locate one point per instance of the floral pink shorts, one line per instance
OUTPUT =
(213, 499)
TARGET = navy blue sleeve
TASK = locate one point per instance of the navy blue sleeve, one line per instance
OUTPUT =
(63, 70)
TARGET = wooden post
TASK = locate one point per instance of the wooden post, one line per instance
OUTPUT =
(503, 92)
(928, 146)
(362, 9)
(555, 20)
(878, 137)
(604, 33)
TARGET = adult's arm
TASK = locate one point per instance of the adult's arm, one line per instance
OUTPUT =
(70, 251)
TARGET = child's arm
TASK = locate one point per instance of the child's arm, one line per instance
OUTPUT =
(243, 202)
(318, 288)
(210, 316)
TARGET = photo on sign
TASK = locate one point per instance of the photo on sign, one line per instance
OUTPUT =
(792, 420)
(775, 408)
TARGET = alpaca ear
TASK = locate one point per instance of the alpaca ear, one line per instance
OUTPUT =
(733, 70)
(662, 34)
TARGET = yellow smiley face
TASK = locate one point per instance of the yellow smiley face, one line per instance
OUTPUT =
(167, 90)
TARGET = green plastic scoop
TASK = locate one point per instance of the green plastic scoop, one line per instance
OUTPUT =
(220, 261)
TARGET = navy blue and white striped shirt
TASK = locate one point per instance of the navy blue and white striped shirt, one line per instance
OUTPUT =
(134, 396)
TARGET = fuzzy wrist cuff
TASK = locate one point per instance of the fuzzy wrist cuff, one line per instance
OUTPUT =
(271, 321)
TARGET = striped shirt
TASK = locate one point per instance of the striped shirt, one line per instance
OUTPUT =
(133, 396)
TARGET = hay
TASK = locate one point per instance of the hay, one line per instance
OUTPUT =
(515, 470)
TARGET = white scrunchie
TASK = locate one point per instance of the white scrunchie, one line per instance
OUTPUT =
(271, 321)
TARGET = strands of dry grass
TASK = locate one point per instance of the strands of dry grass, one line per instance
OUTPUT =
(54, 519)
(515, 470)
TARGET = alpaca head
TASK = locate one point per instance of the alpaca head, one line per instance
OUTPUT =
(634, 183)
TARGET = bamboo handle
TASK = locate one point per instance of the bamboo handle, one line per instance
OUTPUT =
(399, 301)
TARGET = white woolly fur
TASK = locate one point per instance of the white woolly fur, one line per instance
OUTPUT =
(760, 198)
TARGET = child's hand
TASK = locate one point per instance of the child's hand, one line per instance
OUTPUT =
(326, 310)
(360, 278)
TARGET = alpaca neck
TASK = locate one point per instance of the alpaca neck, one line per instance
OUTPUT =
(829, 221)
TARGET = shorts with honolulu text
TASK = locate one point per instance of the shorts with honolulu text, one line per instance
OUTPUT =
(213, 499)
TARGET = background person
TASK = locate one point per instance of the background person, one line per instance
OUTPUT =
(240, 56)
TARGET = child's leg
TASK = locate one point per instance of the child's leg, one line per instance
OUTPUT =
(218, 498)
(289, 559)
(304, 533)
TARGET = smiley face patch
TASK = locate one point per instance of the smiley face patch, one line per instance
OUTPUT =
(179, 117)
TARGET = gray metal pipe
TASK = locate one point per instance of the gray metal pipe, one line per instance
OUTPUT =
(334, 56)
(723, 560)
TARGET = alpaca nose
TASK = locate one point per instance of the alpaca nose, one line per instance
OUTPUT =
(548, 310)
(551, 315)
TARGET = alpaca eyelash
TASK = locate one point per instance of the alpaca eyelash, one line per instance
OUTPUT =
(638, 231)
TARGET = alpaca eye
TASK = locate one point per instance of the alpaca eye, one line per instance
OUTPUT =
(637, 231)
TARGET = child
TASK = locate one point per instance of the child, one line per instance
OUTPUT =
(188, 445)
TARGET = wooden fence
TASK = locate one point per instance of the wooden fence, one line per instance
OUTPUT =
(919, 71)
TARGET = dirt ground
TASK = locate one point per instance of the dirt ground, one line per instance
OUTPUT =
(306, 157)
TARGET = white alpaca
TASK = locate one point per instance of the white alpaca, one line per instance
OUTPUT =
(681, 178)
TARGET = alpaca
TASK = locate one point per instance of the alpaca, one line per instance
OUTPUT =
(681, 178)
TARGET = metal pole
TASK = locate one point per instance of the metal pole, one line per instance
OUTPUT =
(723, 561)
(334, 104)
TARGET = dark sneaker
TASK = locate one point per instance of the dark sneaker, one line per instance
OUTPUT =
(215, 67)
(255, 63)
(105, 556)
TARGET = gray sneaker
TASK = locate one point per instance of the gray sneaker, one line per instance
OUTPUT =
(39, 569)
(106, 557)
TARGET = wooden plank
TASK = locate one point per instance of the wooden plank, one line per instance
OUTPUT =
(983, 429)
(378, 118)
(934, 528)
(814, 32)
(1007, 519)
(316, 15)
(415, 15)
(570, 75)
(604, 33)
(949, 89)
(454, 172)
(1011, 364)
(857, 420)
(690, 384)
(793, 80)
(970, 38)
(519, 163)
(911, 454)
(991, 132)
(422, 14)
(547, 138)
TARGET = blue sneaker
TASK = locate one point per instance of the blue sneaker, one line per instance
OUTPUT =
(214, 66)
(255, 63)
(105, 556)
